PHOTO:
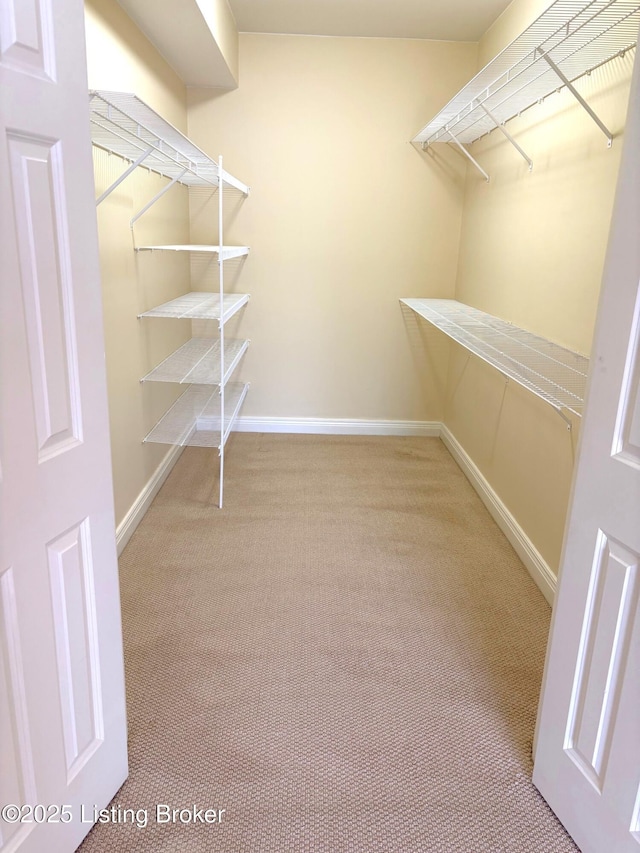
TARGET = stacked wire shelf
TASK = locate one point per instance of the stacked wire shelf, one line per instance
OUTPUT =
(198, 363)
(195, 418)
(550, 371)
(201, 417)
(200, 306)
(205, 413)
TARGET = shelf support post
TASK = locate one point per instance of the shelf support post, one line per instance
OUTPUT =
(125, 174)
(503, 130)
(469, 156)
(577, 96)
(157, 196)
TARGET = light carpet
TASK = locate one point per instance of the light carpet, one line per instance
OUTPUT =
(346, 658)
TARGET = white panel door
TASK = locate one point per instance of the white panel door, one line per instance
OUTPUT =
(587, 757)
(62, 710)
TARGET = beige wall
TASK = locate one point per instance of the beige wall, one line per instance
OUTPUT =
(121, 59)
(221, 22)
(344, 217)
(532, 252)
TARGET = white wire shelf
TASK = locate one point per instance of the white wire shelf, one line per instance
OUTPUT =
(548, 370)
(194, 419)
(124, 125)
(577, 36)
(226, 252)
(200, 306)
(198, 363)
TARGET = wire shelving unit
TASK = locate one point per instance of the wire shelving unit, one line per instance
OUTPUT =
(195, 418)
(570, 39)
(124, 125)
(550, 371)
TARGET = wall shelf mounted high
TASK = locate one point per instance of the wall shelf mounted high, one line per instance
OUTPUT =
(550, 371)
(570, 39)
(122, 124)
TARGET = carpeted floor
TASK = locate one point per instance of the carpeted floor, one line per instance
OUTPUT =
(346, 658)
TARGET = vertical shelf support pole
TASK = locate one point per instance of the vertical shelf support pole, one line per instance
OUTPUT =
(503, 130)
(466, 154)
(221, 277)
(577, 96)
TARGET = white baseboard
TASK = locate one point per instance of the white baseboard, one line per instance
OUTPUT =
(132, 519)
(539, 570)
(342, 426)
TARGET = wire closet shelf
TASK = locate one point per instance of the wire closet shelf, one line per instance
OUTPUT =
(551, 372)
(572, 37)
(122, 124)
(199, 362)
(198, 305)
(195, 417)
(226, 253)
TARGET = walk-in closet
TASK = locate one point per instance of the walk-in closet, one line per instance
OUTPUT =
(320, 426)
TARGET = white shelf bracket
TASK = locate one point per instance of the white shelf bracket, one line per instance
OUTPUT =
(577, 96)
(125, 174)
(157, 196)
(564, 417)
(466, 154)
(506, 133)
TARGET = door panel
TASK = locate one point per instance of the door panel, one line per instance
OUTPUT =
(626, 444)
(27, 38)
(603, 657)
(62, 713)
(587, 756)
(44, 248)
(17, 780)
(74, 617)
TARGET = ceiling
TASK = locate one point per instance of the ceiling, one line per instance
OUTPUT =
(448, 20)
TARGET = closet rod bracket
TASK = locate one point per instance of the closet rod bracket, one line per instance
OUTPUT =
(506, 133)
(132, 167)
(158, 195)
(577, 96)
(469, 156)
